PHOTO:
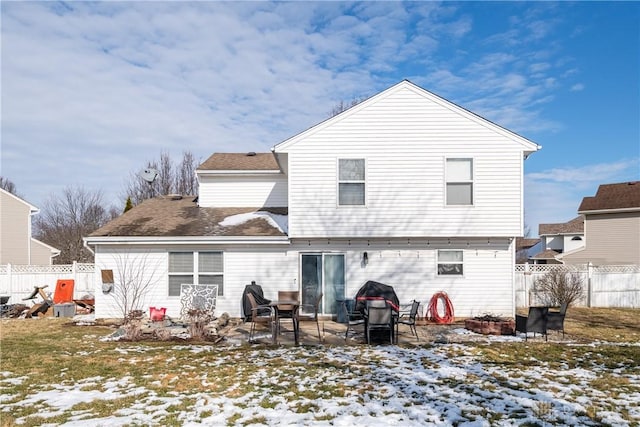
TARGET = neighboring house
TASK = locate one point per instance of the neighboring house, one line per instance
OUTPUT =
(523, 247)
(405, 188)
(16, 244)
(559, 238)
(612, 226)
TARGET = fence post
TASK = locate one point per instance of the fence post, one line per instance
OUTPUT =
(526, 287)
(74, 271)
(10, 279)
(589, 285)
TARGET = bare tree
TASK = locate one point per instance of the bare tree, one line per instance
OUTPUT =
(134, 277)
(345, 105)
(64, 220)
(7, 185)
(559, 286)
(179, 178)
(186, 182)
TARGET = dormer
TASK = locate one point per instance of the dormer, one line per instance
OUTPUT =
(241, 180)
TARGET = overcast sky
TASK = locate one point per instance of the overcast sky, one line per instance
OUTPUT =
(91, 91)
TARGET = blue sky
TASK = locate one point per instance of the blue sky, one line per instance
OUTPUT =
(90, 91)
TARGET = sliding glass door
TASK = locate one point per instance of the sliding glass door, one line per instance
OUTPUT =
(322, 272)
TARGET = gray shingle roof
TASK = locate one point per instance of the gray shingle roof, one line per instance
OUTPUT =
(240, 162)
(575, 226)
(547, 254)
(173, 217)
(622, 195)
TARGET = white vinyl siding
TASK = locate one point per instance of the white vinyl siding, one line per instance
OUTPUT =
(183, 266)
(405, 139)
(459, 174)
(351, 182)
(243, 191)
(486, 286)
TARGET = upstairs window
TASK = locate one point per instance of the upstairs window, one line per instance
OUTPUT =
(351, 182)
(459, 177)
(183, 267)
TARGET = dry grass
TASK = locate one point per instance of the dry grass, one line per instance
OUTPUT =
(54, 351)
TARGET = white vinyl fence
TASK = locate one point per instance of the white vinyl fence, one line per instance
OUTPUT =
(18, 281)
(604, 286)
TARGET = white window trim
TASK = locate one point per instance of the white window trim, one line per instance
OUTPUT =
(451, 262)
(471, 181)
(195, 273)
(339, 181)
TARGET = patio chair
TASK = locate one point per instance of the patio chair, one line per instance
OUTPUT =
(535, 322)
(260, 314)
(409, 319)
(286, 311)
(313, 316)
(555, 319)
(379, 316)
(354, 318)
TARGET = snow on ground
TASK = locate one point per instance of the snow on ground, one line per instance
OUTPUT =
(381, 386)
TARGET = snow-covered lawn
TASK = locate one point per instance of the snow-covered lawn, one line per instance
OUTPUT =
(448, 385)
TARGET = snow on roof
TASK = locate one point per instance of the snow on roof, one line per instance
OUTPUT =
(280, 222)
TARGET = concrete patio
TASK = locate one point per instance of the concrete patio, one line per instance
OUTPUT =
(333, 333)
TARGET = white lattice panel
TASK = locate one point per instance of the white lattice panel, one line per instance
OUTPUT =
(200, 297)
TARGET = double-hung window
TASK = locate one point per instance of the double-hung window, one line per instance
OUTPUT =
(459, 176)
(197, 268)
(351, 182)
(450, 263)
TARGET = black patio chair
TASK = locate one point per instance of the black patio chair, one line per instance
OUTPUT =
(314, 315)
(260, 314)
(535, 322)
(409, 319)
(354, 318)
(555, 319)
(379, 316)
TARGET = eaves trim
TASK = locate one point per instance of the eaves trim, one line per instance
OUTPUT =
(154, 240)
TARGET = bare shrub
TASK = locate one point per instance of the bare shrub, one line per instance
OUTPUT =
(162, 334)
(198, 320)
(132, 325)
(134, 276)
(559, 286)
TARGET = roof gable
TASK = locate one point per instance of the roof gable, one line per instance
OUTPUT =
(527, 146)
(32, 208)
(612, 197)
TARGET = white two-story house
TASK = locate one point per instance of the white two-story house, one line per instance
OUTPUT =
(405, 188)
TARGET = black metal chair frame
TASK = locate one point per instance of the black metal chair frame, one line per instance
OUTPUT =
(314, 315)
(535, 321)
(379, 316)
(354, 318)
(409, 319)
(555, 319)
(260, 314)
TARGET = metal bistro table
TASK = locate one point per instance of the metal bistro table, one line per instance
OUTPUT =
(286, 309)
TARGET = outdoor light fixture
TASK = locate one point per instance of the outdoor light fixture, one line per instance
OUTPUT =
(365, 258)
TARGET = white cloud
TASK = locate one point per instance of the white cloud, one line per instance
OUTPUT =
(105, 86)
(577, 87)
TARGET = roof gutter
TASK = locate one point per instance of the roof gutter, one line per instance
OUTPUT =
(619, 210)
(179, 240)
(239, 172)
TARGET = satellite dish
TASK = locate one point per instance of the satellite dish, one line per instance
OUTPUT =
(149, 175)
